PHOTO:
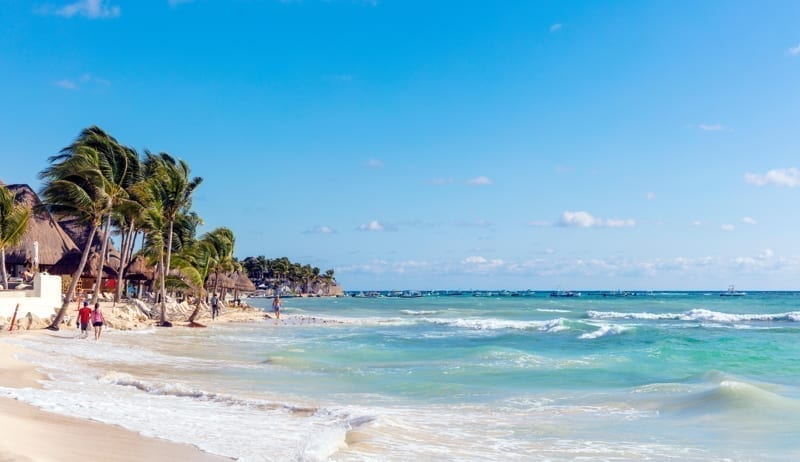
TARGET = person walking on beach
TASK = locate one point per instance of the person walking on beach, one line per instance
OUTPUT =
(83, 319)
(97, 321)
(276, 306)
(214, 306)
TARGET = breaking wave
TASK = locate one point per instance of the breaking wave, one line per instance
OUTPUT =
(698, 315)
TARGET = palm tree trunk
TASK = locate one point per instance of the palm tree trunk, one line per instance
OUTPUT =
(163, 288)
(169, 244)
(74, 284)
(123, 261)
(3, 266)
(102, 263)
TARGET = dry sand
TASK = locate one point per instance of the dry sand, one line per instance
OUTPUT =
(30, 434)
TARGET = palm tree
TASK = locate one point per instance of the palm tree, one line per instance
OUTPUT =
(13, 223)
(74, 187)
(155, 227)
(173, 189)
(116, 167)
(220, 243)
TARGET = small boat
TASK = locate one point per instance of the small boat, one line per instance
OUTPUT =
(565, 293)
(732, 292)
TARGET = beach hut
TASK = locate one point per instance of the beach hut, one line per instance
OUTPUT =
(69, 264)
(141, 274)
(79, 233)
(53, 241)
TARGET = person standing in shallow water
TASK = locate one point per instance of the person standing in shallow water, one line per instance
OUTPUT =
(83, 319)
(97, 321)
(214, 307)
(276, 307)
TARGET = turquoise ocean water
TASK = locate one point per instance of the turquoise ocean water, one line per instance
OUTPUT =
(661, 376)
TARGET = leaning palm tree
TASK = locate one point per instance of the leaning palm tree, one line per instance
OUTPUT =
(155, 228)
(173, 188)
(74, 188)
(115, 166)
(221, 244)
(13, 223)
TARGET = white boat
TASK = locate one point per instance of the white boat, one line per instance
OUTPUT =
(732, 292)
(563, 293)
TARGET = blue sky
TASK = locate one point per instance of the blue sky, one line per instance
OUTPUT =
(443, 144)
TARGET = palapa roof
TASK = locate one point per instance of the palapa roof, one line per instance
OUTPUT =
(79, 232)
(224, 281)
(69, 263)
(232, 281)
(54, 243)
(244, 283)
(139, 270)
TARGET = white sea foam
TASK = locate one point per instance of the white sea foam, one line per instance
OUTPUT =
(419, 313)
(552, 310)
(553, 325)
(604, 331)
(698, 315)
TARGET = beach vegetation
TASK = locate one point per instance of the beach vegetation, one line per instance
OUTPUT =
(14, 219)
(282, 275)
(172, 187)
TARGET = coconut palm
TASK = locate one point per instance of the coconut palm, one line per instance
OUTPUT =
(173, 188)
(74, 187)
(221, 242)
(155, 228)
(13, 223)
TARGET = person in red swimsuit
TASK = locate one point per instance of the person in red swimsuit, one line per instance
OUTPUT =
(83, 319)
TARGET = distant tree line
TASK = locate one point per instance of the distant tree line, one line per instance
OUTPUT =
(283, 274)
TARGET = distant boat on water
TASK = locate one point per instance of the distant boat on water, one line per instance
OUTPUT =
(565, 293)
(732, 292)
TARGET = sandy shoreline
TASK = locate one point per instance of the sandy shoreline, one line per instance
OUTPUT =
(30, 434)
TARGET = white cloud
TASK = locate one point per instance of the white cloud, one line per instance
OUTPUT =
(474, 260)
(650, 196)
(82, 81)
(779, 177)
(374, 163)
(66, 84)
(794, 51)
(766, 254)
(712, 127)
(89, 78)
(92, 9)
(373, 225)
(583, 219)
(321, 230)
(727, 227)
(697, 223)
(749, 221)
(480, 181)
(478, 264)
(556, 27)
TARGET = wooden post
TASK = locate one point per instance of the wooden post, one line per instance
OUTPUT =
(13, 319)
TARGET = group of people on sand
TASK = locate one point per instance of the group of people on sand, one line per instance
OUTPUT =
(87, 315)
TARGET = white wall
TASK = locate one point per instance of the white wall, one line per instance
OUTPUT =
(43, 300)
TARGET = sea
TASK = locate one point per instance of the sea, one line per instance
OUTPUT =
(676, 376)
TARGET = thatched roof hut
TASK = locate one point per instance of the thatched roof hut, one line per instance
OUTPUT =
(139, 270)
(238, 281)
(54, 243)
(79, 233)
(69, 263)
(243, 283)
